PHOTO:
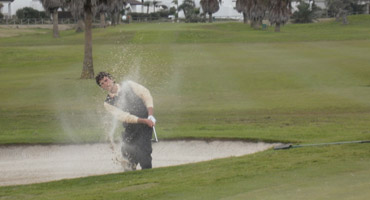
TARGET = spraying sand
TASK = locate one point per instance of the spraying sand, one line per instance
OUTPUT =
(42, 163)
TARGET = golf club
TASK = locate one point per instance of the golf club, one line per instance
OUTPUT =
(155, 134)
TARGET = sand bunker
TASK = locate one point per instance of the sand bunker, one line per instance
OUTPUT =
(42, 163)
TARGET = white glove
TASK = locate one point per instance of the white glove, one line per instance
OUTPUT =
(150, 117)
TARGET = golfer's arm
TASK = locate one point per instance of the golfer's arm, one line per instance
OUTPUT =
(121, 115)
(144, 94)
(150, 110)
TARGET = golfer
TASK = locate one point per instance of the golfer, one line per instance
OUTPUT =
(132, 104)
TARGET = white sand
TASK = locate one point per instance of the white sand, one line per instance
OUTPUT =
(42, 163)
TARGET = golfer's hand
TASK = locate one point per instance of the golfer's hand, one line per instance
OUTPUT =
(150, 123)
(151, 117)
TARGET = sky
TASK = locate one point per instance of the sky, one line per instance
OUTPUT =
(17, 4)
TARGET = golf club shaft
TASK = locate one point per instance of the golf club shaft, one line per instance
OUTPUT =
(155, 134)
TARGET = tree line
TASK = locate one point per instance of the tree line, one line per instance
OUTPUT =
(277, 12)
(309, 12)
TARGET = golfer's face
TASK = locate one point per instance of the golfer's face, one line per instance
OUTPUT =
(106, 83)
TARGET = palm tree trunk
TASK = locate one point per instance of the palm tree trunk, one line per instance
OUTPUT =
(80, 26)
(337, 17)
(142, 6)
(277, 27)
(345, 20)
(102, 20)
(118, 19)
(256, 24)
(55, 23)
(344, 17)
(88, 68)
(245, 19)
(113, 18)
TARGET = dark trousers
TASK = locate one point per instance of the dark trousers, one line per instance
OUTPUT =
(137, 146)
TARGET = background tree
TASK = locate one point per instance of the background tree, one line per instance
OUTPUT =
(52, 6)
(358, 8)
(340, 8)
(190, 11)
(114, 9)
(29, 13)
(142, 6)
(210, 7)
(239, 6)
(87, 8)
(79, 16)
(147, 4)
(155, 4)
(279, 12)
(306, 13)
(257, 12)
(1, 14)
(176, 2)
(254, 10)
(102, 10)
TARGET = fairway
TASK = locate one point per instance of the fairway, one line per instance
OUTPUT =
(308, 84)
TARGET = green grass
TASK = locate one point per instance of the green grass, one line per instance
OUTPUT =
(333, 172)
(307, 84)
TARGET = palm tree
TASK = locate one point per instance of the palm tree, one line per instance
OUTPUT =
(52, 6)
(257, 12)
(246, 6)
(187, 7)
(155, 4)
(240, 8)
(79, 16)
(142, 6)
(147, 4)
(176, 2)
(102, 9)
(80, 25)
(279, 12)
(87, 9)
(210, 7)
(340, 8)
(114, 8)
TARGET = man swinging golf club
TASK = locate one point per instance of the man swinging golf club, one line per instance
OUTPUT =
(132, 104)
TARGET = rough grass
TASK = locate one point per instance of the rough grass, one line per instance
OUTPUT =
(307, 84)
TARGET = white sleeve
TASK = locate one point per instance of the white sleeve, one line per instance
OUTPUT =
(120, 115)
(143, 93)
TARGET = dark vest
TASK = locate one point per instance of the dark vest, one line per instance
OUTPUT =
(129, 102)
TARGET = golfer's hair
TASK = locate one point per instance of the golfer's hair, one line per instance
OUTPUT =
(101, 75)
